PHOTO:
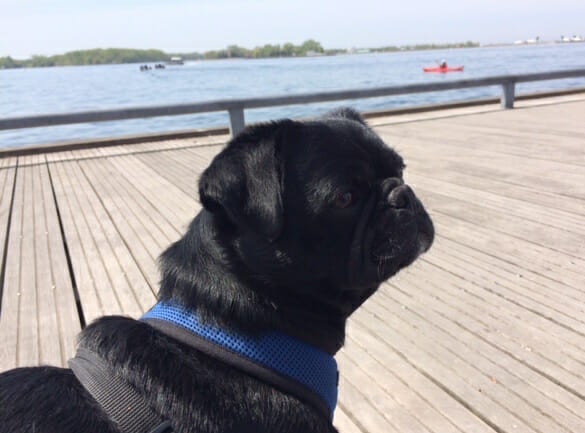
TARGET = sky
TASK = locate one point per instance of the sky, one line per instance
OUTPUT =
(46, 27)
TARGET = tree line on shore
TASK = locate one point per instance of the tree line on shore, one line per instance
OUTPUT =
(106, 56)
(96, 56)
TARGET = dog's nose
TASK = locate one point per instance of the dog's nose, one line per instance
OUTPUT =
(389, 184)
(402, 197)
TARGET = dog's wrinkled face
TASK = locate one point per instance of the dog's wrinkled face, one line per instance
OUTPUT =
(319, 206)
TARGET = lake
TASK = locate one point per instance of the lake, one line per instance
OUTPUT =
(79, 88)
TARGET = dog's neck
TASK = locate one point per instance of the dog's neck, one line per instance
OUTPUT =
(275, 358)
(203, 275)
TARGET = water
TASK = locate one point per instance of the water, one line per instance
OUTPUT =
(71, 89)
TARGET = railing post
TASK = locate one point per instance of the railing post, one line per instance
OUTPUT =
(237, 122)
(508, 90)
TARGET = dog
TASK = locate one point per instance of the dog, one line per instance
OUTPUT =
(301, 223)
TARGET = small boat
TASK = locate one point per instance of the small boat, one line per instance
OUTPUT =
(442, 70)
(175, 61)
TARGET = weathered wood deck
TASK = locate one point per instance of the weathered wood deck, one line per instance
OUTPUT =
(486, 333)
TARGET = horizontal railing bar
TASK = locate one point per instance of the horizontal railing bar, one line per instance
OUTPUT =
(248, 103)
(406, 89)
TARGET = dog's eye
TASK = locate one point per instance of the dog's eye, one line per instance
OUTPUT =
(345, 200)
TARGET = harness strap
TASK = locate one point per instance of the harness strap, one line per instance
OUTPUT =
(287, 363)
(119, 400)
(265, 374)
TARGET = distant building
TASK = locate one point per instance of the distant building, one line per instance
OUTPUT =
(573, 38)
(358, 50)
(536, 40)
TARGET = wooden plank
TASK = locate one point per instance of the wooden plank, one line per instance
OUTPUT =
(167, 206)
(343, 422)
(482, 268)
(101, 252)
(460, 149)
(8, 161)
(530, 256)
(140, 248)
(7, 176)
(370, 419)
(25, 160)
(49, 338)
(419, 383)
(58, 156)
(29, 301)
(149, 212)
(46, 310)
(419, 171)
(567, 240)
(503, 169)
(187, 162)
(177, 207)
(9, 317)
(445, 370)
(517, 337)
(493, 333)
(207, 153)
(497, 139)
(532, 396)
(546, 288)
(161, 146)
(394, 405)
(561, 119)
(28, 326)
(69, 324)
(564, 180)
(519, 332)
(88, 297)
(554, 309)
(167, 166)
(386, 403)
(95, 291)
(544, 216)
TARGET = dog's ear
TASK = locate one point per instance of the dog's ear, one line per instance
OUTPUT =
(346, 113)
(244, 181)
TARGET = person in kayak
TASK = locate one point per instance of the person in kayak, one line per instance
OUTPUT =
(443, 64)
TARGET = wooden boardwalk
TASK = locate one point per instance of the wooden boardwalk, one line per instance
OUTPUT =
(486, 333)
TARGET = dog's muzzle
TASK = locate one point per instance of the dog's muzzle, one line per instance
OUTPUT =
(404, 229)
(393, 231)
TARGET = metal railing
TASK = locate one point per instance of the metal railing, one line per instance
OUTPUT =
(236, 107)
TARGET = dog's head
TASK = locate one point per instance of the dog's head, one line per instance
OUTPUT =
(318, 207)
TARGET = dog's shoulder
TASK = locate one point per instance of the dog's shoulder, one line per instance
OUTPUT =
(199, 390)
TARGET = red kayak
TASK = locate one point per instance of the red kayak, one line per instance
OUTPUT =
(447, 69)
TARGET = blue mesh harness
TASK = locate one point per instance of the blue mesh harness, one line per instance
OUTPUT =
(289, 364)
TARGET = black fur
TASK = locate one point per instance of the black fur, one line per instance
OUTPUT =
(301, 223)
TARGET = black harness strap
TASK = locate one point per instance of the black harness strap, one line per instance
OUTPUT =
(118, 399)
(249, 367)
(129, 410)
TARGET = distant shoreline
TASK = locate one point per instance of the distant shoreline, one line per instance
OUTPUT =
(112, 56)
(310, 48)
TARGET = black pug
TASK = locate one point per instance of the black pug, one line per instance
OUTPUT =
(301, 222)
